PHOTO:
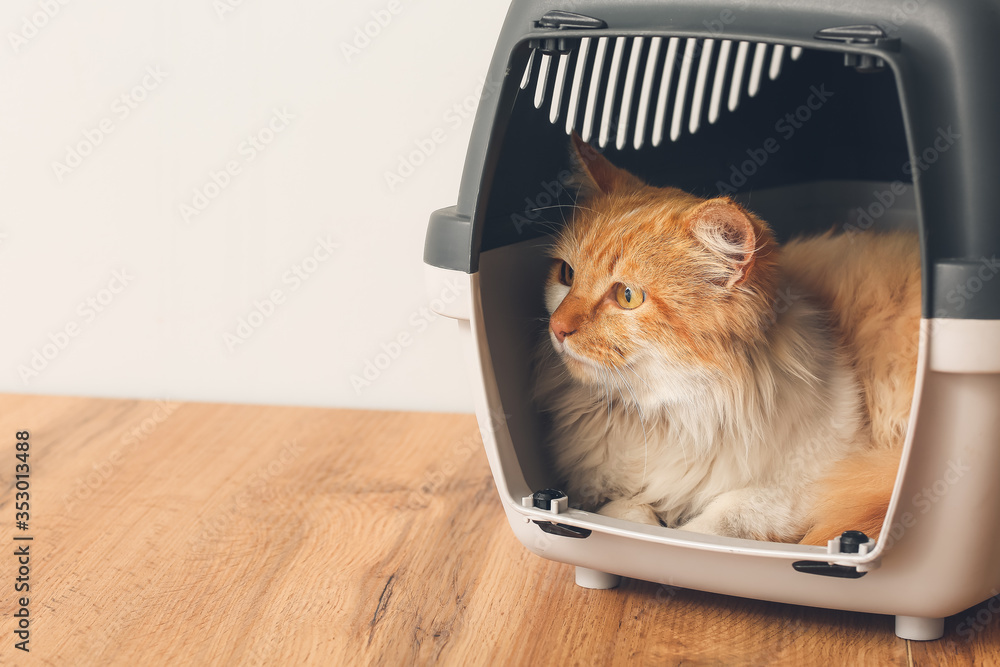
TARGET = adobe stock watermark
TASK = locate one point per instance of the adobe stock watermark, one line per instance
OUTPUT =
(33, 23)
(550, 193)
(902, 12)
(418, 322)
(966, 291)
(782, 303)
(121, 108)
(925, 500)
(425, 146)
(365, 34)
(260, 655)
(786, 126)
(865, 217)
(225, 7)
(461, 451)
(434, 480)
(293, 279)
(84, 487)
(248, 150)
(717, 26)
(973, 625)
(214, 527)
(87, 311)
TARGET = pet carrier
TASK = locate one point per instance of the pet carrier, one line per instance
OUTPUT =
(865, 115)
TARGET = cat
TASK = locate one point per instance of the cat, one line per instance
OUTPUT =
(699, 376)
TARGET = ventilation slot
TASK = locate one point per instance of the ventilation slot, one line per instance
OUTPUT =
(643, 89)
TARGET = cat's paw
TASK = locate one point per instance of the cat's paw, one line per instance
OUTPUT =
(725, 516)
(708, 525)
(749, 514)
(630, 511)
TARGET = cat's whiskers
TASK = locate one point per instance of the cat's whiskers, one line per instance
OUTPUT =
(549, 223)
(635, 373)
(576, 205)
(561, 206)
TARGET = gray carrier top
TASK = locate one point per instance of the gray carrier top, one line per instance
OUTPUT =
(732, 98)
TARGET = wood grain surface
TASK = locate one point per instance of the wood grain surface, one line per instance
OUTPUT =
(201, 534)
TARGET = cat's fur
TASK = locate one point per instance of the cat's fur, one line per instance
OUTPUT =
(758, 392)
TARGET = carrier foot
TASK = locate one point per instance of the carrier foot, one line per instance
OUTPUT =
(919, 629)
(587, 578)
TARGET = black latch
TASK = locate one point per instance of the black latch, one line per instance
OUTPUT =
(562, 529)
(555, 501)
(543, 499)
(561, 20)
(852, 34)
(866, 35)
(850, 543)
(827, 569)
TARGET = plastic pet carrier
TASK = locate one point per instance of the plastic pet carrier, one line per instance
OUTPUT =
(868, 116)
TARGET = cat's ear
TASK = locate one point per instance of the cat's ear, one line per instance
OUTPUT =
(593, 173)
(727, 232)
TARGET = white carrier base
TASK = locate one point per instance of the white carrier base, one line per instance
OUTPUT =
(928, 565)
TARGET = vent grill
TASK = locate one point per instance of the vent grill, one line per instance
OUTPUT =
(608, 87)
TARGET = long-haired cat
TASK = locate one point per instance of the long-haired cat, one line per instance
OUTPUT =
(701, 377)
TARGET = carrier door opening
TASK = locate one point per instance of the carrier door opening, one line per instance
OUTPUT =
(791, 137)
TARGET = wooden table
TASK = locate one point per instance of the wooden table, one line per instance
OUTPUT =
(200, 534)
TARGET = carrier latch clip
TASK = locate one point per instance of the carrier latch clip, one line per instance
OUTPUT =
(849, 542)
(556, 502)
(550, 500)
(561, 20)
(868, 35)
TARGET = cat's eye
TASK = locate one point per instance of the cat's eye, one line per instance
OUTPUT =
(566, 274)
(629, 297)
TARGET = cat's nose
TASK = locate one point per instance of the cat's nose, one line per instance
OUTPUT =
(560, 328)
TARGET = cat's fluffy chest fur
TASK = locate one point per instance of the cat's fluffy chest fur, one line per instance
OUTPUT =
(699, 376)
(687, 441)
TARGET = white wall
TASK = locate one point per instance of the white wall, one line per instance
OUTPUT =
(199, 79)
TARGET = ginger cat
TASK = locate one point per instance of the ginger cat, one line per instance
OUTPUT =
(703, 378)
